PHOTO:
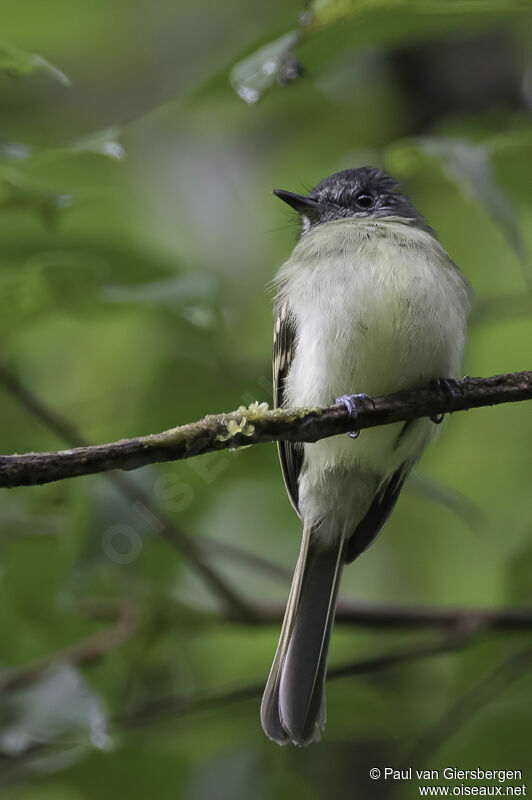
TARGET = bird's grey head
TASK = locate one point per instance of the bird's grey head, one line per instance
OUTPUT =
(366, 192)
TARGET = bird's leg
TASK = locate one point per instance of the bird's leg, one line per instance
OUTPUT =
(350, 401)
(450, 390)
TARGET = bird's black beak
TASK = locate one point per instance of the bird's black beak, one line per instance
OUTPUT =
(300, 203)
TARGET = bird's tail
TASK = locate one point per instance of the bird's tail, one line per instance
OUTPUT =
(293, 705)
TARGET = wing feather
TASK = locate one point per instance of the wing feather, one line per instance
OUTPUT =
(371, 524)
(284, 342)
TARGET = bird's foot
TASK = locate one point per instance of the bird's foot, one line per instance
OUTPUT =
(350, 401)
(450, 390)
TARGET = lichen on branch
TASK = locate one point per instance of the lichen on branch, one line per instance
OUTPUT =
(257, 424)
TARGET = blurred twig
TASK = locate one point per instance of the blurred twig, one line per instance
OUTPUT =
(18, 527)
(245, 557)
(160, 709)
(467, 706)
(255, 425)
(503, 308)
(347, 613)
(88, 649)
(450, 498)
(492, 619)
(154, 711)
(507, 620)
(385, 617)
(163, 526)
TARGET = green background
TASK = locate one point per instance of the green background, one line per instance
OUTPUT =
(138, 235)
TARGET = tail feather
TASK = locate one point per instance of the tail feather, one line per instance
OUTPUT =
(293, 706)
(269, 710)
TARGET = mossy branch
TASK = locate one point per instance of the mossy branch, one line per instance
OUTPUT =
(256, 425)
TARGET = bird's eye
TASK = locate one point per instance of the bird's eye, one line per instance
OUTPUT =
(364, 200)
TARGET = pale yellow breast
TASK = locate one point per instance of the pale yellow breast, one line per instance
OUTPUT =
(379, 307)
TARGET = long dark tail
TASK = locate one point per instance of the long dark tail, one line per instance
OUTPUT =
(293, 705)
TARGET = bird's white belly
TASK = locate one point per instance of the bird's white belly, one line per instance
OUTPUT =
(376, 316)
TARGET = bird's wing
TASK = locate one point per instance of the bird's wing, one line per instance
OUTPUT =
(284, 340)
(379, 511)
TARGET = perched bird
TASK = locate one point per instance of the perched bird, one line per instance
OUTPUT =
(368, 302)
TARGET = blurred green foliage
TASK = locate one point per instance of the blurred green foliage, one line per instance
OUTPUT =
(137, 235)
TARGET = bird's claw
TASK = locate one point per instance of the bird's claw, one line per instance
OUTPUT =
(349, 401)
(450, 390)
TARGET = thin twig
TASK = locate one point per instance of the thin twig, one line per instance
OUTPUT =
(394, 617)
(255, 425)
(468, 706)
(245, 557)
(82, 652)
(508, 620)
(237, 608)
(171, 707)
(234, 605)
(174, 707)
(459, 623)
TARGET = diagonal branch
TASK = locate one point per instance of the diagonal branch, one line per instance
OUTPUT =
(159, 709)
(233, 604)
(82, 652)
(255, 425)
(466, 707)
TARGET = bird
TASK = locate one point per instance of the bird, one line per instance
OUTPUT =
(368, 303)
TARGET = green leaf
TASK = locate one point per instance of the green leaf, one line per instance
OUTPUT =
(192, 296)
(450, 498)
(102, 143)
(59, 704)
(274, 62)
(469, 166)
(19, 64)
(17, 194)
(80, 278)
(325, 13)
(277, 61)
